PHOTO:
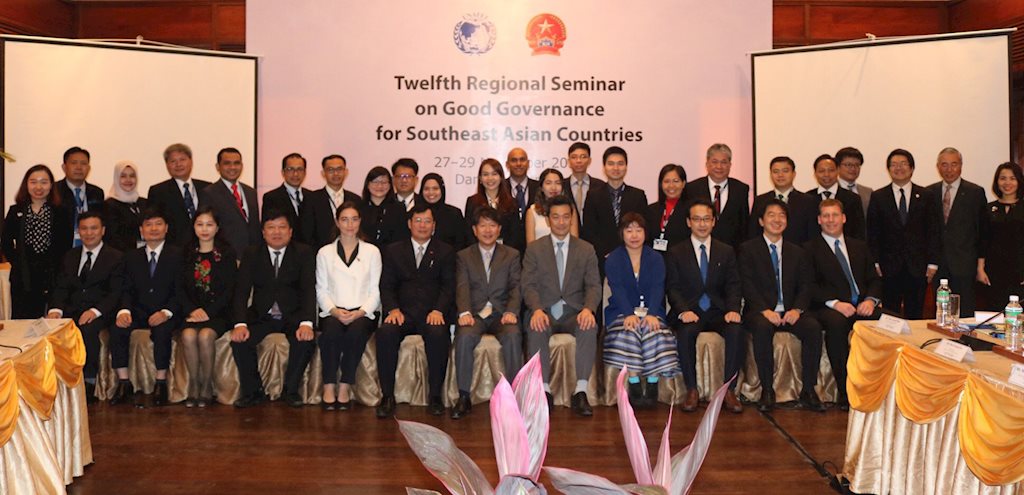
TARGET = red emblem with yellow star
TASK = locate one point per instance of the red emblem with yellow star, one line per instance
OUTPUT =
(546, 34)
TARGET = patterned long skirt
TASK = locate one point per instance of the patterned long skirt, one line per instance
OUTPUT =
(651, 352)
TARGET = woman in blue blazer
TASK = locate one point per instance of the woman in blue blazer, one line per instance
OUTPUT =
(637, 336)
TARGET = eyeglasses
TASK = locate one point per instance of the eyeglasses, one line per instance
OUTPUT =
(383, 181)
(423, 220)
(707, 219)
(334, 170)
(405, 176)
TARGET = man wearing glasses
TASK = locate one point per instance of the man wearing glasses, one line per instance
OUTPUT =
(290, 195)
(727, 196)
(849, 160)
(405, 172)
(704, 291)
(317, 213)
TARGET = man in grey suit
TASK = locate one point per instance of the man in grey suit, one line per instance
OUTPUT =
(488, 299)
(962, 204)
(238, 212)
(850, 160)
(562, 288)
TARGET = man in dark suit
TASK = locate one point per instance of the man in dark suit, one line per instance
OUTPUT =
(524, 189)
(318, 210)
(89, 291)
(75, 194)
(705, 292)
(578, 185)
(850, 160)
(417, 285)
(281, 275)
(904, 236)
(234, 202)
(846, 287)
(826, 172)
(608, 203)
(290, 196)
(777, 286)
(150, 299)
(962, 204)
(405, 173)
(487, 299)
(562, 289)
(178, 197)
(800, 207)
(727, 196)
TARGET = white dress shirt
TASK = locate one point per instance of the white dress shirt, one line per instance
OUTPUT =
(348, 286)
(191, 190)
(149, 253)
(81, 262)
(696, 249)
(241, 194)
(831, 191)
(723, 194)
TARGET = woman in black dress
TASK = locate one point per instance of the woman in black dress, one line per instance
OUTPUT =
(209, 280)
(493, 190)
(37, 233)
(666, 219)
(383, 219)
(1001, 267)
(449, 225)
(122, 211)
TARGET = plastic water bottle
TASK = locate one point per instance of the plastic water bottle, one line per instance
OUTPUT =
(942, 317)
(1013, 324)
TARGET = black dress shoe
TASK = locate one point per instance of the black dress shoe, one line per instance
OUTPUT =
(254, 399)
(328, 406)
(843, 403)
(160, 394)
(810, 401)
(436, 406)
(580, 405)
(293, 400)
(551, 401)
(462, 407)
(650, 394)
(343, 406)
(767, 401)
(123, 393)
(386, 408)
(635, 392)
(90, 393)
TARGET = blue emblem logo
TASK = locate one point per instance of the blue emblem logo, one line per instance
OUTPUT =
(475, 34)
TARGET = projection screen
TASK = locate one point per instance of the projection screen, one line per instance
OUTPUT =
(920, 93)
(123, 102)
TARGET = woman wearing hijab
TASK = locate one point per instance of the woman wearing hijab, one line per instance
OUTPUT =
(123, 208)
(449, 225)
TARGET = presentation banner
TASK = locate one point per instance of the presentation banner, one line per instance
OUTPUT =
(452, 83)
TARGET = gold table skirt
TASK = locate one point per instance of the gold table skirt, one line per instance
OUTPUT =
(920, 423)
(44, 426)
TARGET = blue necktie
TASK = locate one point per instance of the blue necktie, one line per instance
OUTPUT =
(78, 211)
(778, 275)
(521, 199)
(903, 207)
(705, 301)
(617, 203)
(190, 206)
(854, 294)
(152, 263)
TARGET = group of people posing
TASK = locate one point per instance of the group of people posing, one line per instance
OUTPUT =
(524, 259)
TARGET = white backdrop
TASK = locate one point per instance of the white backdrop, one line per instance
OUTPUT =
(328, 82)
(921, 94)
(121, 102)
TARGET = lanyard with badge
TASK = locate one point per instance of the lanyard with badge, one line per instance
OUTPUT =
(661, 244)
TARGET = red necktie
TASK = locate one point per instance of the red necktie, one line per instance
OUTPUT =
(238, 200)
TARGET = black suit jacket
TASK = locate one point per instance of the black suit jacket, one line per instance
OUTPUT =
(599, 226)
(418, 291)
(595, 184)
(732, 224)
(384, 223)
(801, 222)
(912, 246)
(144, 295)
(277, 199)
(22, 258)
(93, 200)
(169, 199)
(239, 231)
(101, 288)
(852, 207)
(676, 230)
(293, 289)
(683, 282)
(830, 282)
(961, 234)
(317, 216)
(760, 292)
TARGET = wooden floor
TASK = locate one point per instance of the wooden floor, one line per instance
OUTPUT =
(275, 449)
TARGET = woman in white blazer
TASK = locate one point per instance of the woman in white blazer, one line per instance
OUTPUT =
(348, 297)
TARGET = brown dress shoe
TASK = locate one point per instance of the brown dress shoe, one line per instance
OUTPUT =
(690, 403)
(732, 404)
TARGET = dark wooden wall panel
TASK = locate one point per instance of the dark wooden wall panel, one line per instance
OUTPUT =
(37, 17)
(788, 25)
(186, 24)
(809, 22)
(974, 15)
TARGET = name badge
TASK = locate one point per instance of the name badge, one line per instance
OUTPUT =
(660, 245)
(955, 351)
(893, 324)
